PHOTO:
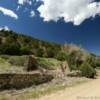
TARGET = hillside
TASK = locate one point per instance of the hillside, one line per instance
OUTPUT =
(12, 43)
(15, 44)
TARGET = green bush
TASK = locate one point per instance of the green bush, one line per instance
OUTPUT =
(98, 63)
(12, 43)
(25, 50)
(87, 70)
(62, 56)
(50, 52)
(40, 52)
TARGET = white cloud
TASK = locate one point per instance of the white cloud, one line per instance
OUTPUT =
(5, 28)
(18, 7)
(22, 2)
(8, 12)
(75, 11)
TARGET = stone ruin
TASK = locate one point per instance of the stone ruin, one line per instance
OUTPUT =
(31, 64)
(31, 76)
(22, 80)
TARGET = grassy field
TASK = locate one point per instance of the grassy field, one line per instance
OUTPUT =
(18, 63)
(11, 63)
(4, 65)
(49, 63)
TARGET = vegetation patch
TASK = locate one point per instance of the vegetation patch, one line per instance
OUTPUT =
(48, 63)
(17, 60)
(87, 70)
(2, 60)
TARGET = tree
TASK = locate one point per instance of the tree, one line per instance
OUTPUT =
(24, 50)
(11, 49)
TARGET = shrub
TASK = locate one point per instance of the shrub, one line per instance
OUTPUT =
(87, 70)
(25, 50)
(50, 52)
(73, 67)
(75, 59)
(62, 56)
(98, 63)
(40, 52)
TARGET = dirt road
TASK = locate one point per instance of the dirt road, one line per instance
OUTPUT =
(86, 91)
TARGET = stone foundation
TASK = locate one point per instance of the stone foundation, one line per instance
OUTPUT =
(22, 80)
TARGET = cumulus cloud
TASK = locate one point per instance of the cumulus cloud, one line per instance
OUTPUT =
(22, 2)
(8, 12)
(75, 11)
(4, 28)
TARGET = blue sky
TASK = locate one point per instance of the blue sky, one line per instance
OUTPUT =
(37, 19)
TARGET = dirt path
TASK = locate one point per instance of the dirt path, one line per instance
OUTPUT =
(87, 91)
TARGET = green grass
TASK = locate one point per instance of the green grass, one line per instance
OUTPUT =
(4, 65)
(7, 62)
(2, 60)
(11, 62)
(17, 60)
(37, 93)
(49, 90)
(3, 98)
(49, 63)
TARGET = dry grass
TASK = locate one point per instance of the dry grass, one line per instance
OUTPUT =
(34, 93)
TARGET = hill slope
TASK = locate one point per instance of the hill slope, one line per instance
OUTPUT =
(12, 43)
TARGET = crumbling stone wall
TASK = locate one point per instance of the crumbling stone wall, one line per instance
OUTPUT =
(18, 81)
(31, 63)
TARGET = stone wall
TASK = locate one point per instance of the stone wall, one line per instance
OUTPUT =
(18, 81)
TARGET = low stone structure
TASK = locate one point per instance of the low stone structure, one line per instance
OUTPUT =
(22, 80)
(31, 63)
